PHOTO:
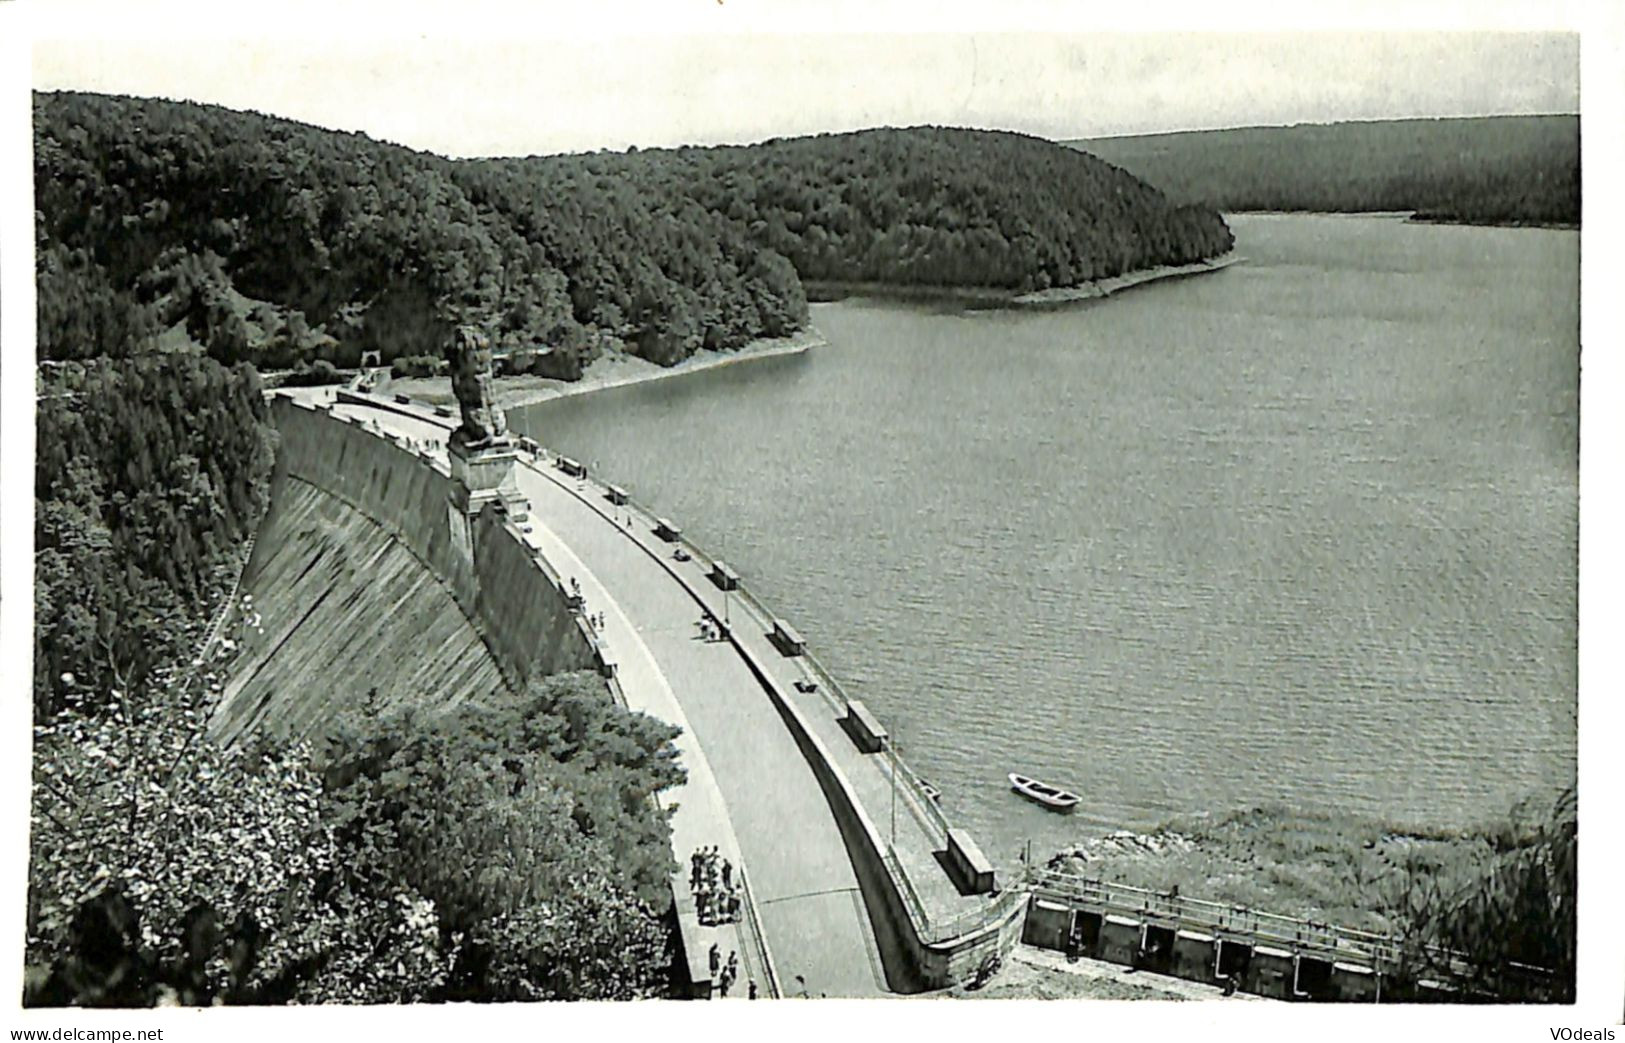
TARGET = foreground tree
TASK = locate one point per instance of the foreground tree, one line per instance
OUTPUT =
(530, 827)
(163, 865)
(1509, 935)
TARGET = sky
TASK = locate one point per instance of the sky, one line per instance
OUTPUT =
(518, 85)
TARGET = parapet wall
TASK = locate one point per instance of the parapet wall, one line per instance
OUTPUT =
(521, 614)
(915, 953)
(932, 964)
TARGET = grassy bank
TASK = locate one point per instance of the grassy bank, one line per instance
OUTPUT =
(1338, 869)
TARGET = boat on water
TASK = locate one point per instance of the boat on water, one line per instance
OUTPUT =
(1043, 793)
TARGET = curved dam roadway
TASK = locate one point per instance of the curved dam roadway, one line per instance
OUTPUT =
(750, 789)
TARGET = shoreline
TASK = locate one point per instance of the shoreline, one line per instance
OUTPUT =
(610, 371)
(622, 370)
(1397, 215)
(1117, 284)
(825, 292)
(1415, 217)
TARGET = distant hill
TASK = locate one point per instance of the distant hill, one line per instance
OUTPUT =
(1487, 170)
(274, 242)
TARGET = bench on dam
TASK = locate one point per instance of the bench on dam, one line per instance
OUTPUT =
(442, 411)
(573, 468)
(965, 859)
(785, 638)
(724, 577)
(616, 495)
(600, 655)
(667, 531)
(867, 733)
(404, 400)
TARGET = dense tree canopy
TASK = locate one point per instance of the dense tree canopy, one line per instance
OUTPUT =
(942, 206)
(275, 242)
(530, 827)
(148, 474)
(506, 853)
(1489, 170)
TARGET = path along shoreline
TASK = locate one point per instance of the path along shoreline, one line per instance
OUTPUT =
(623, 370)
(993, 297)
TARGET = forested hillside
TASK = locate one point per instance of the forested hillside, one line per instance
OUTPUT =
(507, 853)
(928, 206)
(164, 223)
(1490, 170)
(148, 474)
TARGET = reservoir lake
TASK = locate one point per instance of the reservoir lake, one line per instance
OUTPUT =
(1301, 532)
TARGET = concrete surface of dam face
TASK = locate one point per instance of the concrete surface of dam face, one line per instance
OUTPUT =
(345, 608)
(360, 584)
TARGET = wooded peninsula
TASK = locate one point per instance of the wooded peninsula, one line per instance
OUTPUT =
(281, 244)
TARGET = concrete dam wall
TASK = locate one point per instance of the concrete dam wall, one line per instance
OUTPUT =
(360, 583)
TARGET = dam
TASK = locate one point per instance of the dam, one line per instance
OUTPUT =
(855, 883)
(373, 576)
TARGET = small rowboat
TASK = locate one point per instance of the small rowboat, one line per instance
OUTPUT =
(1043, 793)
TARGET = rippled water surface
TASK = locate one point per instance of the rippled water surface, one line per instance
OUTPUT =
(1300, 531)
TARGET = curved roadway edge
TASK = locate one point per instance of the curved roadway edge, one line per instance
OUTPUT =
(863, 912)
(699, 817)
(745, 767)
(916, 958)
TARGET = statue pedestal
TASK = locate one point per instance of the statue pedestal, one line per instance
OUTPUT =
(479, 475)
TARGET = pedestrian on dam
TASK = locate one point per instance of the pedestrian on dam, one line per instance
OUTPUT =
(751, 994)
(694, 877)
(733, 907)
(727, 872)
(716, 958)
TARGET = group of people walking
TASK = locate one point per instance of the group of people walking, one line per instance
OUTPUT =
(716, 892)
(727, 973)
(594, 619)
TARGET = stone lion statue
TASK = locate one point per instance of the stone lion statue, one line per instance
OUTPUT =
(475, 387)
